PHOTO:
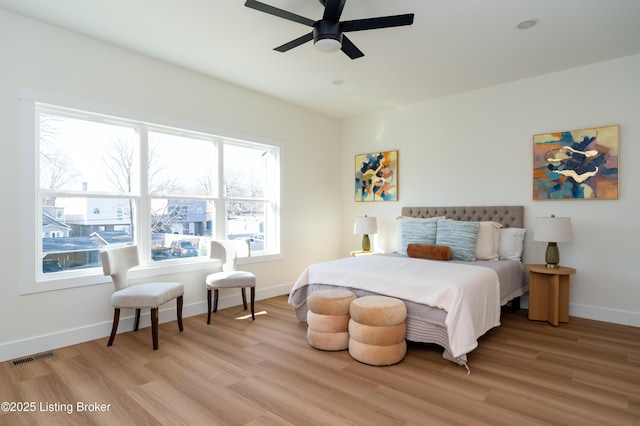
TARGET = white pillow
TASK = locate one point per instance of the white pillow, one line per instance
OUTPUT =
(511, 243)
(488, 241)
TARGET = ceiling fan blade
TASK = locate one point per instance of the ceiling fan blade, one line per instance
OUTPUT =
(333, 9)
(350, 49)
(253, 4)
(295, 43)
(373, 23)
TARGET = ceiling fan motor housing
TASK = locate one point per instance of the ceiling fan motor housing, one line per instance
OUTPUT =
(326, 29)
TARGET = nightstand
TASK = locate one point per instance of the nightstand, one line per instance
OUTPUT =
(362, 253)
(549, 293)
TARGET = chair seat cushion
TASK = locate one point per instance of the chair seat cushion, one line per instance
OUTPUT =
(149, 295)
(231, 279)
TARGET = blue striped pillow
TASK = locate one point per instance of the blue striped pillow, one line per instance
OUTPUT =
(416, 231)
(460, 237)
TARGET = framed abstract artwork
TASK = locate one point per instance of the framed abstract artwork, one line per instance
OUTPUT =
(576, 164)
(376, 176)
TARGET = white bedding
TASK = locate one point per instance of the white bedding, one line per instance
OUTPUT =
(470, 294)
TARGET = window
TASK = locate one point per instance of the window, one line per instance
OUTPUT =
(105, 181)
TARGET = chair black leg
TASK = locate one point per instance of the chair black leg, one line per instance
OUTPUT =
(114, 327)
(179, 309)
(253, 298)
(136, 322)
(154, 327)
(208, 306)
(215, 300)
(244, 298)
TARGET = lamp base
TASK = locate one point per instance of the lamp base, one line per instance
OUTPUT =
(552, 255)
(366, 244)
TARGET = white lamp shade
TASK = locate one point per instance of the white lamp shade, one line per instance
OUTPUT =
(365, 225)
(553, 229)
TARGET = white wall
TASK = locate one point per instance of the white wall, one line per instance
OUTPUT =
(472, 148)
(476, 148)
(42, 59)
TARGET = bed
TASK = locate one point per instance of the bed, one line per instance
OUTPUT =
(449, 303)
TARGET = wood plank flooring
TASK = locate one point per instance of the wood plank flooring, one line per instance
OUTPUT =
(242, 372)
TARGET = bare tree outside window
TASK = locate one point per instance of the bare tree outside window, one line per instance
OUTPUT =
(89, 172)
(56, 169)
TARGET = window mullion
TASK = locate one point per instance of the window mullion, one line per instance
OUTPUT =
(221, 204)
(142, 214)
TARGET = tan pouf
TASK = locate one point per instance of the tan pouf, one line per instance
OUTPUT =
(328, 341)
(377, 355)
(328, 319)
(377, 335)
(378, 310)
(330, 302)
(377, 330)
(328, 323)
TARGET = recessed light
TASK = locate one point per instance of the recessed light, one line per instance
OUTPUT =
(527, 24)
(337, 82)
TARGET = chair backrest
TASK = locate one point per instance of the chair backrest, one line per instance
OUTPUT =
(227, 251)
(116, 262)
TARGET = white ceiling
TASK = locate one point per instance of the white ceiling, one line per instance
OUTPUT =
(453, 45)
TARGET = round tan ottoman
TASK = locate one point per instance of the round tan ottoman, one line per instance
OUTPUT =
(377, 330)
(328, 319)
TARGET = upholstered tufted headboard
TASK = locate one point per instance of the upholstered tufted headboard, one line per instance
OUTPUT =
(508, 216)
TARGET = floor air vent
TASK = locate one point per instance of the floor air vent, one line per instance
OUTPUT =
(31, 358)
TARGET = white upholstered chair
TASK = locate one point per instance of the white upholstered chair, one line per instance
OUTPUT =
(228, 251)
(116, 263)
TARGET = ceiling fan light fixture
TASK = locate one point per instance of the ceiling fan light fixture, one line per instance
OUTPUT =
(327, 36)
(328, 45)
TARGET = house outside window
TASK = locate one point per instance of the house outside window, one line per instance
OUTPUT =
(111, 181)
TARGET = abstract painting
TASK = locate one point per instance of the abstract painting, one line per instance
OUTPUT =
(377, 176)
(577, 164)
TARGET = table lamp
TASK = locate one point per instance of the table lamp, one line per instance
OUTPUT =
(365, 225)
(552, 230)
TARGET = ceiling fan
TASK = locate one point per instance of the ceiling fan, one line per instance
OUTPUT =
(327, 32)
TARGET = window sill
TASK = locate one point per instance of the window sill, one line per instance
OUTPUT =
(94, 276)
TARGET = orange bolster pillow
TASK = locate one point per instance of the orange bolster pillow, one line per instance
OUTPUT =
(429, 251)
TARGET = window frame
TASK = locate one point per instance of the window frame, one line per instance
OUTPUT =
(33, 280)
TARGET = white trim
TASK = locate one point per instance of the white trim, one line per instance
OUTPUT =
(31, 280)
(596, 313)
(616, 316)
(37, 344)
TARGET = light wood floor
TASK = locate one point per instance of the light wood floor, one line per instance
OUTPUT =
(262, 372)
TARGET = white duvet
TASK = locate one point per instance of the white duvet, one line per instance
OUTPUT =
(470, 294)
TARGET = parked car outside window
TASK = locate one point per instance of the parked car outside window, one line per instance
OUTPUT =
(183, 248)
(51, 265)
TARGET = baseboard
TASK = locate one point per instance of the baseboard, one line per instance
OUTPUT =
(37, 344)
(48, 342)
(597, 313)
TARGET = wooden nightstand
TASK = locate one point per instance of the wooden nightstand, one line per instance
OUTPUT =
(549, 293)
(362, 253)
